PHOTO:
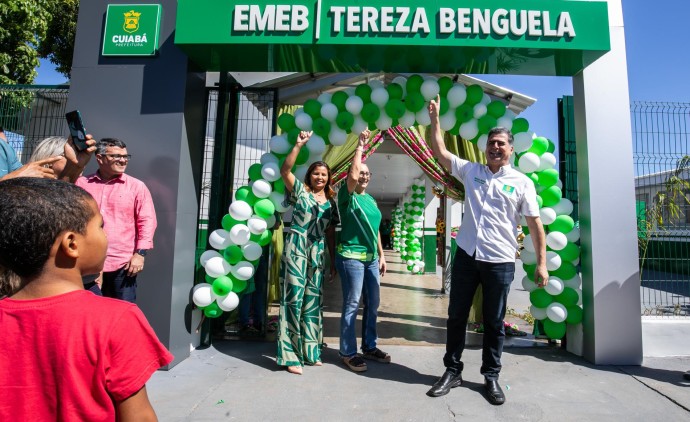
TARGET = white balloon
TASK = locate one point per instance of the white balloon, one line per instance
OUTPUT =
(407, 119)
(556, 240)
(219, 239)
(522, 141)
(268, 158)
(359, 125)
(354, 104)
(553, 261)
(375, 84)
(239, 234)
(417, 233)
(575, 261)
(329, 112)
(217, 266)
(400, 80)
(505, 121)
(547, 215)
(416, 269)
(579, 296)
(528, 284)
(243, 270)
(422, 117)
(299, 111)
(547, 161)
(573, 235)
(563, 207)
(485, 99)
(528, 257)
(482, 142)
(240, 210)
(261, 188)
(337, 136)
(573, 283)
(479, 110)
(279, 144)
(379, 96)
(447, 121)
(205, 256)
(469, 129)
(252, 251)
(316, 145)
(229, 302)
(556, 312)
(271, 220)
(529, 162)
(527, 243)
(203, 295)
(429, 89)
(456, 95)
(384, 122)
(554, 286)
(270, 172)
(257, 225)
(537, 313)
(325, 98)
(304, 121)
(277, 199)
(300, 172)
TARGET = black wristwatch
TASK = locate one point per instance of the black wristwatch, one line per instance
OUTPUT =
(141, 252)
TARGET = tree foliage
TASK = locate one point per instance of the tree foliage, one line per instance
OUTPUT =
(58, 44)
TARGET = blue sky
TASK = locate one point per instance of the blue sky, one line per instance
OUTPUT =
(658, 63)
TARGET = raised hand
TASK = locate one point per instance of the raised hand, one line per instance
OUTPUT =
(303, 137)
(434, 106)
(363, 138)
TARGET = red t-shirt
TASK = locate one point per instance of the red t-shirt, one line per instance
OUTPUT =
(68, 357)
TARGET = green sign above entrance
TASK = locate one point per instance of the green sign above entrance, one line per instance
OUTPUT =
(506, 36)
(131, 30)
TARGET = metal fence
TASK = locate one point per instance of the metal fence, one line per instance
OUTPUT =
(661, 151)
(30, 113)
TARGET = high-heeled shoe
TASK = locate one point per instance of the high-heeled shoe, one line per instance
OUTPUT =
(297, 370)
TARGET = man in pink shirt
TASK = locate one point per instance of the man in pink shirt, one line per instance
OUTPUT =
(128, 215)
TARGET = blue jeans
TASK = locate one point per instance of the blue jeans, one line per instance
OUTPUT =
(358, 279)
(119, 285)
(495, 279)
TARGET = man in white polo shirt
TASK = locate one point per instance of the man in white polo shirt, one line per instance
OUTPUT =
(495, 197)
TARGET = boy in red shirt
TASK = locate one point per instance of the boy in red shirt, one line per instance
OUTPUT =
(68, 354)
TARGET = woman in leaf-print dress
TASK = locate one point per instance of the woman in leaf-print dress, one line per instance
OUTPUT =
(302, 263)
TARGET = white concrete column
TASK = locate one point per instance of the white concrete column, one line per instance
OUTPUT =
(611, 282)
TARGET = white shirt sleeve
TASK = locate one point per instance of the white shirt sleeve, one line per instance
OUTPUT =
(459, 168)
(529, 206)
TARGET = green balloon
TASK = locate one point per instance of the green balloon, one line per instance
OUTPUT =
(242, 193)
(475, 93)
(551, 195)
(302, 157)
(255, 172)
(238, 285)
(414, 101)
(321, 127)
(265, 238)
(414, 83)
(209, 279)
(539, 145)
(464, 113)
(519, 125)
(496, 109)
(445, 84)
(233, 254)
(339, 99)
(370, 113)
(313, 108)
(534, 178)
(570, 253)
(540, 201)
(279, 186)
(443, 106)
(292, 136)
(568, 297)
(345, 120)
(222, 285)
(540, 298)
(574, 314)
(552, 146)
(363, 91)
(213, 311)
(264, 208)
(286, 121)
(565, 272)
(547, 178)
(554, 330)
(395, 109)
(486, 123)
(395, 91)
(525, 230)
(562, 223)
(227, 222)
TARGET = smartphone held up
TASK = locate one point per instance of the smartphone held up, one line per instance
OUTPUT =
(77, 129)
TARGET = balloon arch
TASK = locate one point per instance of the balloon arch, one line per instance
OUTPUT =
(465, 111)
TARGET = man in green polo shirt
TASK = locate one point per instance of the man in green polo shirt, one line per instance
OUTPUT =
(360, 262)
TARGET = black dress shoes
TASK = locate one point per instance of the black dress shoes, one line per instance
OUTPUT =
(447, 381)
(494, 392)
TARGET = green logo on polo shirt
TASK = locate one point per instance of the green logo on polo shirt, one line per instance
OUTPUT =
(509, 189)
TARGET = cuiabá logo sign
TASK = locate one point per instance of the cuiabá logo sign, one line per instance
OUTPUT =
(130, 26)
